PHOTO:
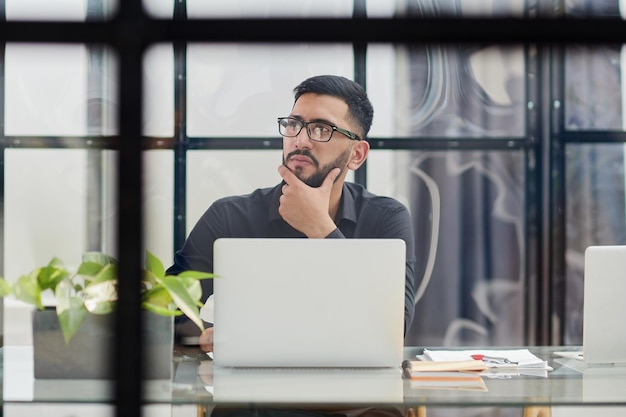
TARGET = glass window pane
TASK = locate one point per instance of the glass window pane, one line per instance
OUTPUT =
(158, 91)
(60, 10)
(466, 8)
(214, 174)
(159, 204)
(595, 215)
(46, 89)
(469, 222)
(240, 90)
(46, 215)
(269, 8)
(461, 91)
(593, 88)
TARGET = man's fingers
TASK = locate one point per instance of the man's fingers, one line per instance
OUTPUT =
(206, 340)
(288, 176)
(331, 177)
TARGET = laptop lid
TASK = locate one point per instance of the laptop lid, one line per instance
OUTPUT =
(309, 302)
(604, 332)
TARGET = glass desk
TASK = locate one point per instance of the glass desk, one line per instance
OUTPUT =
(200, 385)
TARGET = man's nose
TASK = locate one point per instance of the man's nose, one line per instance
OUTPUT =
(302, 139)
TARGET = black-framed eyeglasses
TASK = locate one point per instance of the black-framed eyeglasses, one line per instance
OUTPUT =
(318, 131)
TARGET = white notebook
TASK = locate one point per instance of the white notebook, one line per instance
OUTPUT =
(309, 302)
(604, 329)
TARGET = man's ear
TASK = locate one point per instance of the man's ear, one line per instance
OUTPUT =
(359, 153)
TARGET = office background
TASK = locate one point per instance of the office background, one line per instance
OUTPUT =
(509, 157)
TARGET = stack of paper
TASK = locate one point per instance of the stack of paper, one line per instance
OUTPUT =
(509, 358)
(499, 363)
(457, 375)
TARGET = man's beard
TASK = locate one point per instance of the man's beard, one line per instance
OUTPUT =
(317, 178)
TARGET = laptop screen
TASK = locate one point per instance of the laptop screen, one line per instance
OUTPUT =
(309, 302)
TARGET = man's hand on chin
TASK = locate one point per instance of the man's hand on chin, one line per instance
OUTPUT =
(305, 208)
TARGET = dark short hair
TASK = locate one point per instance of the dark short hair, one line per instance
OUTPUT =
(359, 107)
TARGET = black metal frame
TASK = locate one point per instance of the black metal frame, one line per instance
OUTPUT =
(130, 31)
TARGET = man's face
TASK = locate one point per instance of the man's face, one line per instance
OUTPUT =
(312, 161)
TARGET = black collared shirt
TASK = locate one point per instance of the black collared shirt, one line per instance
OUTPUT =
(361, 214)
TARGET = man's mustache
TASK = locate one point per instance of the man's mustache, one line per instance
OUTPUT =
(304, 152)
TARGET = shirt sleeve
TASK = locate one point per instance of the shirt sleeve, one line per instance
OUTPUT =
(397, 224)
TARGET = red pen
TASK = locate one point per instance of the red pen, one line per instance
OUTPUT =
(492, 359)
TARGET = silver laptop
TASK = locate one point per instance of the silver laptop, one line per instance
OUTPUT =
(604, 331)
(309, 302)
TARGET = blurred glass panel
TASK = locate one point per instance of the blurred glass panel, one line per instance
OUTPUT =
(59, 10)
(463, 8)
(593, 87)
(213, 174)
(595, 215)
(381, 84)
(469, 221)
(46, 89)
(593, 8)
(159, 203)
(162, 9)
(158, 91)
(460, 91)
(240, 90)
(46, 216)
(268, 8)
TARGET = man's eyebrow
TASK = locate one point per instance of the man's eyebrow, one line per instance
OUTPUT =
(295, 116)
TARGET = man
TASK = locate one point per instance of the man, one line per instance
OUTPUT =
(323, 138)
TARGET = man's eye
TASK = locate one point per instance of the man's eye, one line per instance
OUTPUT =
(321, 129)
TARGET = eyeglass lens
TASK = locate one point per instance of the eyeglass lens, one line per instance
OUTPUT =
(317, 131)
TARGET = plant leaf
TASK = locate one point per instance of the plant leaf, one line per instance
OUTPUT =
(89, 269)
(71, 318)
(163, 311)
(5, 287)
(98, 258)
(108, 273)
(100, 297)
(50, 275)
(154, 265)
(197, 274)
(158, 295)
(27, 289)
(183, 299)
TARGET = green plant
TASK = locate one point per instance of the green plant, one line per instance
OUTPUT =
(93, 289)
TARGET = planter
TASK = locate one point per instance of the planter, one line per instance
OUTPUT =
(89, 353)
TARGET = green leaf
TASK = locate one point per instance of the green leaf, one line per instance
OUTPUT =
(89, 269)
(196, 274)
(50, 275)
(183, 299)
(5, 287)
(158, 296)
(98, 258)
(150, 278)
(72, 317)
(108, 273)
(27, 289)
(154, 265)
(162, 311)
(63, 294)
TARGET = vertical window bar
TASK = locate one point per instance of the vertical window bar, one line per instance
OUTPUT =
(2, 147)
(128, 339)
(95, 94)
(180, 132)
(360, 75)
